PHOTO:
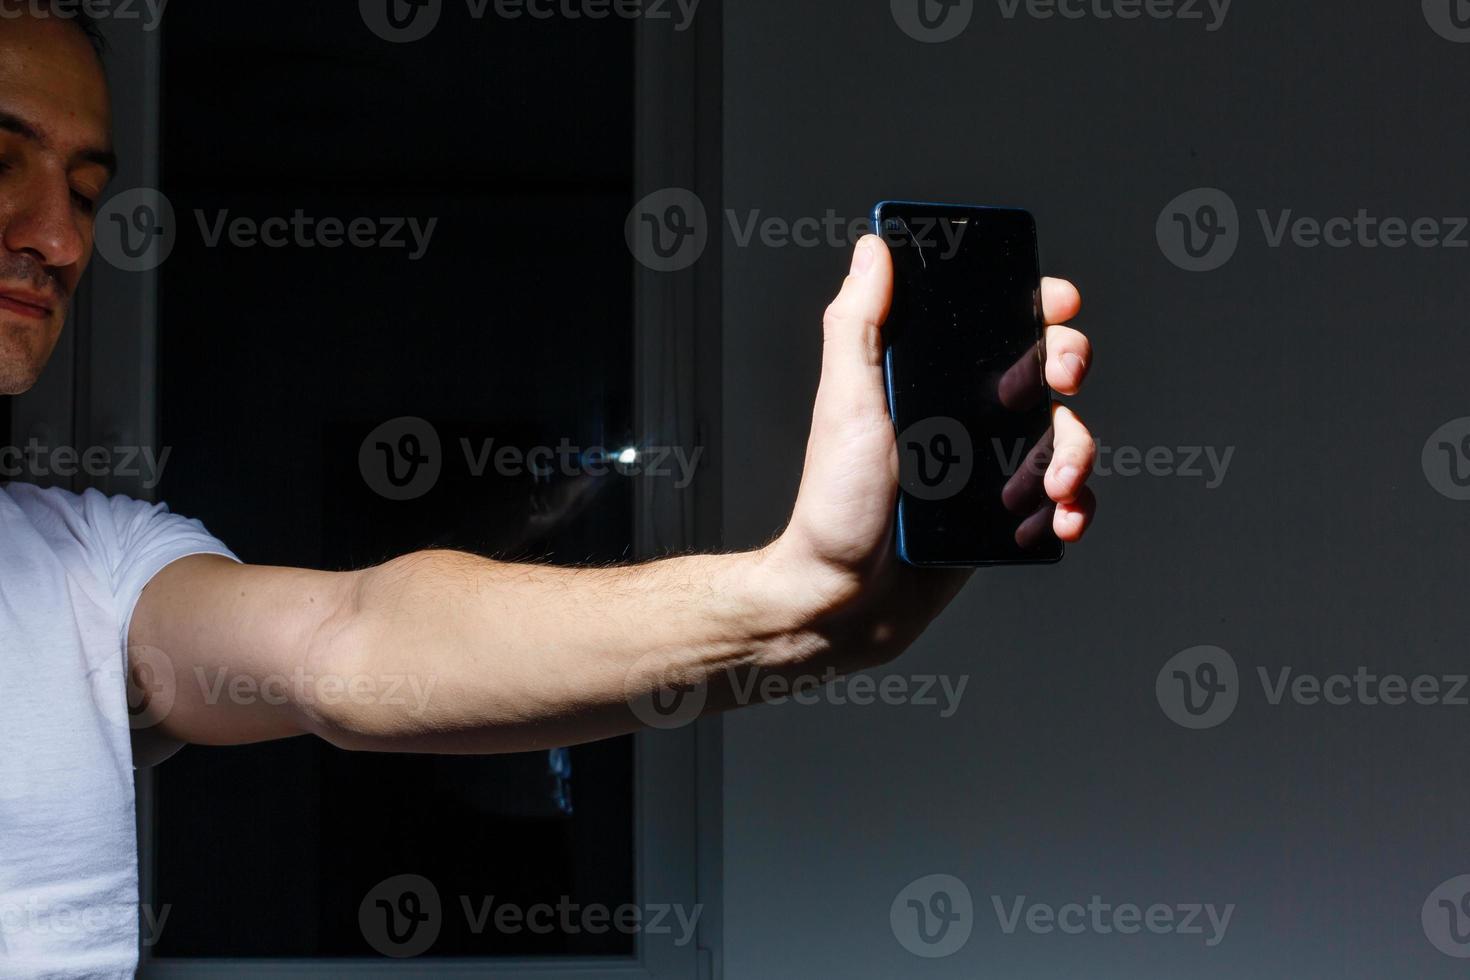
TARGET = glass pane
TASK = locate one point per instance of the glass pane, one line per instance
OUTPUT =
(288, 373)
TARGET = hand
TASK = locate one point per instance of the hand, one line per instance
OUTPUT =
(836, 557)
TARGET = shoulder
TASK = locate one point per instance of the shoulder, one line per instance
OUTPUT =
(110, 529)
(61, 504)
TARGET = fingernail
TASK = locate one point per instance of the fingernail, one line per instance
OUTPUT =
(862, 259)
(1068, 475)
(1073, 363)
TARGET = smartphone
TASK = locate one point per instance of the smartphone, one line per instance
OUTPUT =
(965, 367)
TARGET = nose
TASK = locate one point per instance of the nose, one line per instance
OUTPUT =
(46, 224)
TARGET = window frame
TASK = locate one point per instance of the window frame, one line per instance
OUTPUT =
(101, 386)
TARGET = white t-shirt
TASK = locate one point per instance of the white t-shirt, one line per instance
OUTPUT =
(71, 570)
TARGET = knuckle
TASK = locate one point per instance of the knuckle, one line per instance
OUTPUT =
(835, 314)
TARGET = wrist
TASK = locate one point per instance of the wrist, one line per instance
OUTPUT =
(785, 604)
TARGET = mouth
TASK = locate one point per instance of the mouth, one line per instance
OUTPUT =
(32, 306)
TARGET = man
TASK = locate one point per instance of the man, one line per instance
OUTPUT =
(94, 589)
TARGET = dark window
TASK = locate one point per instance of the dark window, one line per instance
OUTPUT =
(276, 363)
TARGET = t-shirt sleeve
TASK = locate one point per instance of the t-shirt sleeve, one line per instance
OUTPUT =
(136, 540)
(131, 541)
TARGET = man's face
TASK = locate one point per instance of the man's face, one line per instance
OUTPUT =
(55, 160)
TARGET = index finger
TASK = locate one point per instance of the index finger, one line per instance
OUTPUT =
(1060, 300)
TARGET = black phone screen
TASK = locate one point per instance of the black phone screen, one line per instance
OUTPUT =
(965, 366)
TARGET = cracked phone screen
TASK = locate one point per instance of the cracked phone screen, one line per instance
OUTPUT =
(966, 383)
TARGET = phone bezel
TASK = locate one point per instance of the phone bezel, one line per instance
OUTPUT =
(955, 210)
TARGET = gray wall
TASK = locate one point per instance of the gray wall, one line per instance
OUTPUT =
(1325, 549)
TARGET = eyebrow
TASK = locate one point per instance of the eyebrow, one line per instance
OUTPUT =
(11, 123)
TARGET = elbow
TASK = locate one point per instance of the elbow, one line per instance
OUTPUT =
(354, 694)
(359, 705)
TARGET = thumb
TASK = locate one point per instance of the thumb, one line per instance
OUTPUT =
(852, 345)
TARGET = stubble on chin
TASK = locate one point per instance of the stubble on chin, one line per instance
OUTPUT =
(25, 348)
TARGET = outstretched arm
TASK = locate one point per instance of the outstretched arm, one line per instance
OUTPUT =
(445, 652)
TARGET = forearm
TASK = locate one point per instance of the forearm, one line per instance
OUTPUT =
(505, 658)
